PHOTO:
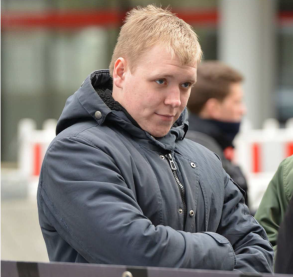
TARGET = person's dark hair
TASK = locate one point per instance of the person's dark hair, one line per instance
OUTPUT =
(213, 81)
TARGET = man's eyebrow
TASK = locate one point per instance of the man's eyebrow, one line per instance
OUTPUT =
(192, 81)
(162, 75)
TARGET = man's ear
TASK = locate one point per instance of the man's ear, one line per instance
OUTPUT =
(120, 68)
(213, 108)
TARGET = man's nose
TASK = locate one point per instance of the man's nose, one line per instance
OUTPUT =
(173, 98)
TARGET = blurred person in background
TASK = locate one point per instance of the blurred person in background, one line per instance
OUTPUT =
(120, 184)
(284, 257)
(215, 111)
(273, 206)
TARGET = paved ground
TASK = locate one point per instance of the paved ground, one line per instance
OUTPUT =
(21, 237)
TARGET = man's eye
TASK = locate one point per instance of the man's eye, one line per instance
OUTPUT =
(161, 81)
(186, 85)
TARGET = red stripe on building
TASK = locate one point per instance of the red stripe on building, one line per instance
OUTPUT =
(285, 18)
(79, 19)
(289, 149)
(256, 158)
(61, 19)
(198, 16)
(37, 159)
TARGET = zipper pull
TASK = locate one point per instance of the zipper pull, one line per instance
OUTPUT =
(172, 163)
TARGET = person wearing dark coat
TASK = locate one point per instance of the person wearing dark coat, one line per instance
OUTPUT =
(284, 257)
(121, 185)
(215, 111)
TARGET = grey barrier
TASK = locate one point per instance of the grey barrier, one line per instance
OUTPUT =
(33, 269)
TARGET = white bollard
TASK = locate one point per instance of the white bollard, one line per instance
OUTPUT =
(271, 124)
(26, 127)
(289, 124)
(50, 124)
(32, 148)
(259, 153)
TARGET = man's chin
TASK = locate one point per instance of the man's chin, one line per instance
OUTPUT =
(159, 133)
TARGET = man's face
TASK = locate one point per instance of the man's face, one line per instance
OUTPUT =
(232, 108)
(156, 93)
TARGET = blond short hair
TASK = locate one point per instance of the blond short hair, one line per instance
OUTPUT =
(149, 26)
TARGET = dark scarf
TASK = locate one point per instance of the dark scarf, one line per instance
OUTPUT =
(223, 132)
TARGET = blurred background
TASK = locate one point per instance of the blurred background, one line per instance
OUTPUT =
(50, 47)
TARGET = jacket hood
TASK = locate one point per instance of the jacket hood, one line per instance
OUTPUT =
(84, 104)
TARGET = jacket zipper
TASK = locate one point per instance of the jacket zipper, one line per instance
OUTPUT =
(180, 186)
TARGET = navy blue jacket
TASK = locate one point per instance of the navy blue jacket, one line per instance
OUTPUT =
(110, 193)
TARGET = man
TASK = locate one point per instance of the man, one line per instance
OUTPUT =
(120, 185)
(285, 243)
(274, 204)
(216, 110)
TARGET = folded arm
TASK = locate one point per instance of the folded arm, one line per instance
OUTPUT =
(85, 198)
(252, 248)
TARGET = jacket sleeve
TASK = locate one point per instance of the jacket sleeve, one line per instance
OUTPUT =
(84, 196)
(285, 243)
(252, 248)
(273, 205)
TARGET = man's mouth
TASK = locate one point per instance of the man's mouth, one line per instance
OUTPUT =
(167, 117)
